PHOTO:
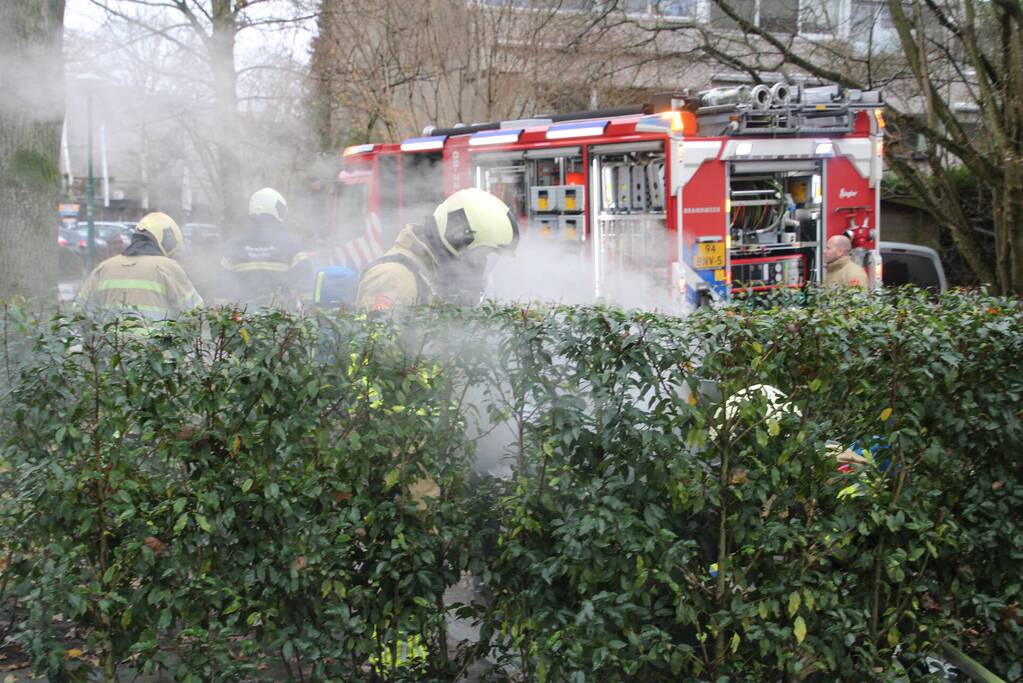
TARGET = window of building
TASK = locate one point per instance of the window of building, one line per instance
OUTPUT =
(869, 16)
(635, 6)
(569, 5)
(675, 8)
(663, 8)
(781, 16)
(819, 16)
(747, 9)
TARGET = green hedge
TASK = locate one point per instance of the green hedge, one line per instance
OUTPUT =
(233, 496)
(230, 490)
(605, 569)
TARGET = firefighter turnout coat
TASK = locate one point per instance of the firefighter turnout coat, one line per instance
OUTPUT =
(152, 286)
(404, 276)
(844, 272)
(263, 265)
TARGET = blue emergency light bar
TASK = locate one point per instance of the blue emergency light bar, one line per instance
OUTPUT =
(576, 129)
(503, 136)
(426, 144)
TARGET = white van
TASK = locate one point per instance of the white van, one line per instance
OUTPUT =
(911, 264)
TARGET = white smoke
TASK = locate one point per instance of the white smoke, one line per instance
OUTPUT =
(153, 92)
(565, 273)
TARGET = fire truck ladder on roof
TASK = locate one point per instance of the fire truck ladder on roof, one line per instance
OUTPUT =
(781, 109)
(542, 119)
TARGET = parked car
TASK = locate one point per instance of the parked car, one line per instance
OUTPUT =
(912, 264)
(81, 244)
(200, 233)
(70, 263)
(117, 235)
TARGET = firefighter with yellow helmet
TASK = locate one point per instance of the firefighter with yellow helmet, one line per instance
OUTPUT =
(145, 279)
(446, 258)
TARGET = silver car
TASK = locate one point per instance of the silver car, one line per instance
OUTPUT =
(911, 264)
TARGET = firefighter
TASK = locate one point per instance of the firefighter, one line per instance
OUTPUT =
(778, 408)
(842, 270)
(264, 264)
(446, 258)
(145, 279)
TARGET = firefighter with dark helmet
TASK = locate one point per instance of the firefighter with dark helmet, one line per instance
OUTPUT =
(145, 279)
(446, 258)
(264, 264)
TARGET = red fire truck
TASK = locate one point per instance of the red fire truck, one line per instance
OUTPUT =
(708, 195)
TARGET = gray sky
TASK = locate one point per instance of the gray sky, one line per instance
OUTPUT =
(83, 16)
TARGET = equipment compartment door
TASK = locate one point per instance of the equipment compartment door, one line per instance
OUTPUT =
(775, 224)
(630, 250)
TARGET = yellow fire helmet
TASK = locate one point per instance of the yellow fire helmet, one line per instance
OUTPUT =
(268, 201)
(166, 232)
(472, 218)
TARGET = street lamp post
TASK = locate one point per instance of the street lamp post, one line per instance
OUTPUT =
(90, 193)
(90, 81)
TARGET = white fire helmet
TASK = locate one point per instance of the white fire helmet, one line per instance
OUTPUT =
(269, 202)
(769, 398)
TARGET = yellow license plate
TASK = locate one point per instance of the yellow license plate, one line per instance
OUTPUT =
(709, 255)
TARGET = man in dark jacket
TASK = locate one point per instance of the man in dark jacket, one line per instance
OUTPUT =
(264, 265)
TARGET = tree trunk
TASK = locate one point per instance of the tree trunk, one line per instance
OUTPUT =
(1009, 206)
(323, 97)
(226, 118)
(1008, 219)
(31, 115)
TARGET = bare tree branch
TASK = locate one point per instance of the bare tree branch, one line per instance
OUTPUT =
(162, 32)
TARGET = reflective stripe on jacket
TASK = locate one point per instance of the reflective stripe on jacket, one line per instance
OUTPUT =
(155, 287)
(262, 263)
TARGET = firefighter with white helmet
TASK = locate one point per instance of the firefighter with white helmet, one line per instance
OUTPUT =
(772, 399)
(777, 407)
(145, 279)
(761, 396)
(446, 258)
(264, 264)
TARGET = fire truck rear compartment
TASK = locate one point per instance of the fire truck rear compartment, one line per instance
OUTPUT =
(627, 230)
(544, 188)
(629, 226)
(775, 224)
